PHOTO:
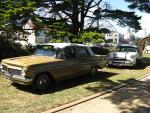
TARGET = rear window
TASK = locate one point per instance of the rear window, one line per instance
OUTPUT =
(126, 49)
(100, 50)
(82, 52)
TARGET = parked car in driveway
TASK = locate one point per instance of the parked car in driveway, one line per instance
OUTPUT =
(124, 55)
(52, 62)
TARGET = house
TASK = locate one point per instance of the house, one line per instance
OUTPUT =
(38, 34)
(34, 34)
(115, 37)
(147, 49)
(130, 36)
(112, 37)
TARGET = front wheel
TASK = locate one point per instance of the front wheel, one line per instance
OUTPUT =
(93, 71)
(138, 63)
(42, 82)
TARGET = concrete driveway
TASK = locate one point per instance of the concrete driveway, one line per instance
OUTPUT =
(133, 98)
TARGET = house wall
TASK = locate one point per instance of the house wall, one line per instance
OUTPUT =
(147, 49)
(31, 38)
(112, 36)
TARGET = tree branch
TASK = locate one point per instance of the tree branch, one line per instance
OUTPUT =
(88, 7)
(54, 4)
(96, 4)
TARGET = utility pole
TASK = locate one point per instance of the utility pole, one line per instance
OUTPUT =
(98, 16)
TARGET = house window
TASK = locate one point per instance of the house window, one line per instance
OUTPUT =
(39, 33)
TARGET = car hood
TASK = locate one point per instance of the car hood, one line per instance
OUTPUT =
(26, 61)
(122, 55)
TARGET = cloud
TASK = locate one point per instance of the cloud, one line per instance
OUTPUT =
(145, 24)
(145, 21)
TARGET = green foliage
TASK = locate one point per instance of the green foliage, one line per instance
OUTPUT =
(59, 32)
(62, 34)
(62, 18)
(9, 49)
(123, 18)
(14, 12)
(142, 5)
(90, 37)
(54, 40)
(95, 29)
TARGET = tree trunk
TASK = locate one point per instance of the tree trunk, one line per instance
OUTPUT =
(82, 15)
(75, 19)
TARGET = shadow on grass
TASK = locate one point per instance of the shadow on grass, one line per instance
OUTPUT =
(100, 78)
(134, 98)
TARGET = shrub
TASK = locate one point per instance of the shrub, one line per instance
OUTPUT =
(9, 48)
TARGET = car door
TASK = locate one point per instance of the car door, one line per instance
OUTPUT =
(84, 60)
(68, 64)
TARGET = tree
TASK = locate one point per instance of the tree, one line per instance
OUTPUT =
(13, 13)
(90, 37)
(142, 5)
(137, 40)
(71, 12)
(74, 13)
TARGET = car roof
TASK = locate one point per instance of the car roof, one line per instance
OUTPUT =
(63, 45)
(126, 45)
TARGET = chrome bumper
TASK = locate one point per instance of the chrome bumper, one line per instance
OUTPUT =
(120, 63)
(17, 79)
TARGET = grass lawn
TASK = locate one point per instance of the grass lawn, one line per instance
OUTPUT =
(14, 99)
(146, 55)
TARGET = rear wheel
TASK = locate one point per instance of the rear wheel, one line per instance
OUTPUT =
(93, 71)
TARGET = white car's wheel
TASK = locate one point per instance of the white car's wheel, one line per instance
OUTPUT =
(138, 63)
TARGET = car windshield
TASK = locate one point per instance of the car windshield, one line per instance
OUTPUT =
(47, 50)
(126, 49)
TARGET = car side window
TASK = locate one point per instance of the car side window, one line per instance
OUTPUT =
(60, 54)
(70, 52)
(82, 52)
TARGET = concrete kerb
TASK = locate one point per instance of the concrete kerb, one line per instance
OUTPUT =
(54, 110)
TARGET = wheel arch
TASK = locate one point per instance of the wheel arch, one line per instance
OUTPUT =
(45, 72)
(97, 66)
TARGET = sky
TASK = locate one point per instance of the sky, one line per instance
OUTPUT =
(145, 20)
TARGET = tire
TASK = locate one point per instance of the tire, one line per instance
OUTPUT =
(93, 71)
(42, 82)
(138, 63)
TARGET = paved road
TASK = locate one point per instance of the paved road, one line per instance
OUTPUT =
(133, 98)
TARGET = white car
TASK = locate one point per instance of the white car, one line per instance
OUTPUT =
(124, 55)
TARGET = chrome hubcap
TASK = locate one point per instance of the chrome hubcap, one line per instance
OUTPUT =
(43, 82)
(93, 71)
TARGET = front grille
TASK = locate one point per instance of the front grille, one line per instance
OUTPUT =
(11, 71)
(4, 68)
(120, 60)
(14, 71)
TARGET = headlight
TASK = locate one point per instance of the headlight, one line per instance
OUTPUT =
(109, 56)
(23, 71)
(0, 66)
(132, 56)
